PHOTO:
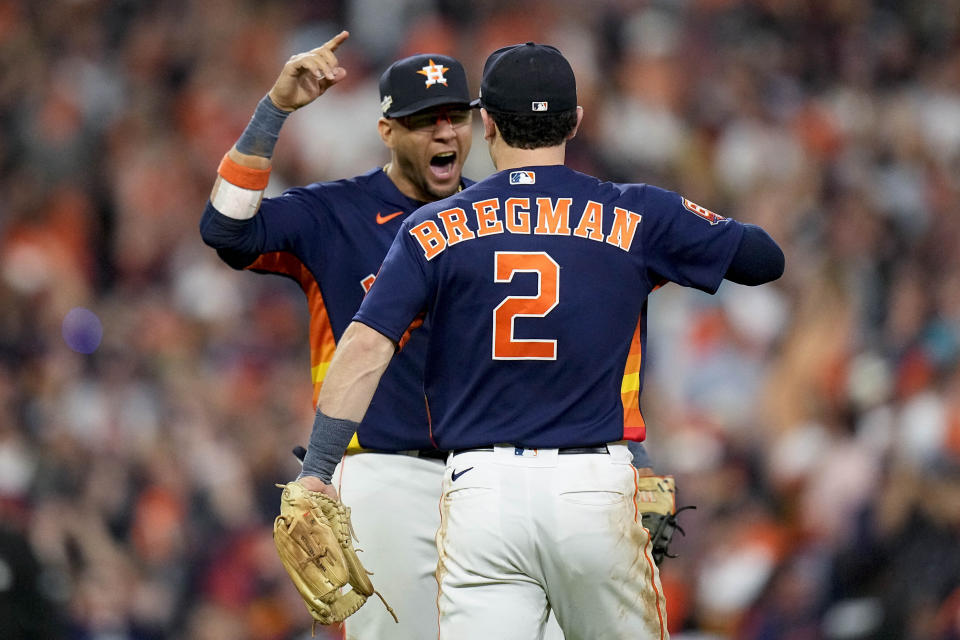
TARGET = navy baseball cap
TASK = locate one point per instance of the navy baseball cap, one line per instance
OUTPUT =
(532, 79)
(420, 82)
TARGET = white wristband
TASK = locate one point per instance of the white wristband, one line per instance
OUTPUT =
(236, 202)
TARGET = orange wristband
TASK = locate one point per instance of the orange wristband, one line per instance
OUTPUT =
(245, 177)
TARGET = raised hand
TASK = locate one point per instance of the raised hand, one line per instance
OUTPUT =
(306, 76)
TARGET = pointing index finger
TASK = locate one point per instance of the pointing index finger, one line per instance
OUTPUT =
(336, 40)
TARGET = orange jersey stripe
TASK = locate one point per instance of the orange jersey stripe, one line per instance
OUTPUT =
(322, 343)
(634, 427)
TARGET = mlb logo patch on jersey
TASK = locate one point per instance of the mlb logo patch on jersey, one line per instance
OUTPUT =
(706, 214)
(538, 106)
(523, 177)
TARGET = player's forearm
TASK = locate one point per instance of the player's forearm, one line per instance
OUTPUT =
(244, 172)
(328, 441)
(245, 169)
(361, 357)
(249, 160)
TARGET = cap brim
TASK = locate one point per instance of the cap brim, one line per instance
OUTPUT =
(426, 104)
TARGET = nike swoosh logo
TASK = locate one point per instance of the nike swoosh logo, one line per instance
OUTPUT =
(456, 474)
(387, 218)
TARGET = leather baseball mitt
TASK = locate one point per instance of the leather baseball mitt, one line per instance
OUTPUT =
(314, 539)
(656, 500)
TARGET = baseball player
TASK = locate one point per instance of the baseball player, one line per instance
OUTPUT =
(331, 239)
(534, 283)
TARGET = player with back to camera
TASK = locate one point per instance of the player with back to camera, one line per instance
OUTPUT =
(534, 282)
(331, 238)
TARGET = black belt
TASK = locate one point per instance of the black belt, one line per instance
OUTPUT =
(432, 454)
(602, 448)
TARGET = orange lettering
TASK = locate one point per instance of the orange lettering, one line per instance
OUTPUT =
(624, 227)
(431, 240)
(591, 222)
(553, 220)
(518, 215)
(487, 222)
(455, 224)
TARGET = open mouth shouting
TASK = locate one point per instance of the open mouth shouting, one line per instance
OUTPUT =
(443, 165)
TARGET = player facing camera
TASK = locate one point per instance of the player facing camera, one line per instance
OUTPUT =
(425, 104)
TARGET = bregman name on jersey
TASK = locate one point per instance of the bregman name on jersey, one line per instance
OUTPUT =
(545, 216)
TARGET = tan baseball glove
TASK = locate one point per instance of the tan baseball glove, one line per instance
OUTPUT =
(314, 539)
(656, 501)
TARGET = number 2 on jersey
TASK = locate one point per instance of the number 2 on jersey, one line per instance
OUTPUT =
(505, 345)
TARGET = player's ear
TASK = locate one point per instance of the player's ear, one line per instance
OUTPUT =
(386, 131)
(489, 126)
(576, 127)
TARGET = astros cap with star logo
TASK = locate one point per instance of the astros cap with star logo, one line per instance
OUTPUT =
(420, 82)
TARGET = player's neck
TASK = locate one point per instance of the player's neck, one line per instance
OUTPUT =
(507, 157)
(404, 184)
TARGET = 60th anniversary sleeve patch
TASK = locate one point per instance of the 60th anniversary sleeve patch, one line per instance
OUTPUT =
(703, 212)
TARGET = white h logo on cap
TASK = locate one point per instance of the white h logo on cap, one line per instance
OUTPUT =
(434, 73)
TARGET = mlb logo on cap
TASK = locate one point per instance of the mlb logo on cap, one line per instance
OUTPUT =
(523, 177)
(538, 106)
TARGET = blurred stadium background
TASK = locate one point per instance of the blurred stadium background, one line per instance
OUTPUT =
(149, 396)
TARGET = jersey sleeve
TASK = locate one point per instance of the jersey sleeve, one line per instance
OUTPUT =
(686, 243)
(400, 290)
(281, 224)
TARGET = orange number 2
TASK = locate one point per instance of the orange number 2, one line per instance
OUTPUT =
(505, 346)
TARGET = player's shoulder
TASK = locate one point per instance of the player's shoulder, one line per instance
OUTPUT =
(650, 198)
(669, 205)
(345, 193)
(365, 182)
(624, 193)
(585, 184)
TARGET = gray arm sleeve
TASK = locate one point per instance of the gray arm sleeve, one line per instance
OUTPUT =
(641, 458)
(328, 441)
(260, 136)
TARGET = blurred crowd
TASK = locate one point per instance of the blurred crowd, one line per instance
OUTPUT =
(149, 396)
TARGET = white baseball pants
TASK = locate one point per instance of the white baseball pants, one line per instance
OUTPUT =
(394, 502)
(525, 531)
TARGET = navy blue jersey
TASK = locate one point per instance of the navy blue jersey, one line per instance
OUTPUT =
(331, 238)
(535, 284)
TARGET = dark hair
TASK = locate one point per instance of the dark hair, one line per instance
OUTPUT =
(534, 131)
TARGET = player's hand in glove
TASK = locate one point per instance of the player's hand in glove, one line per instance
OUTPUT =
(314, 539)
(656, 500)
